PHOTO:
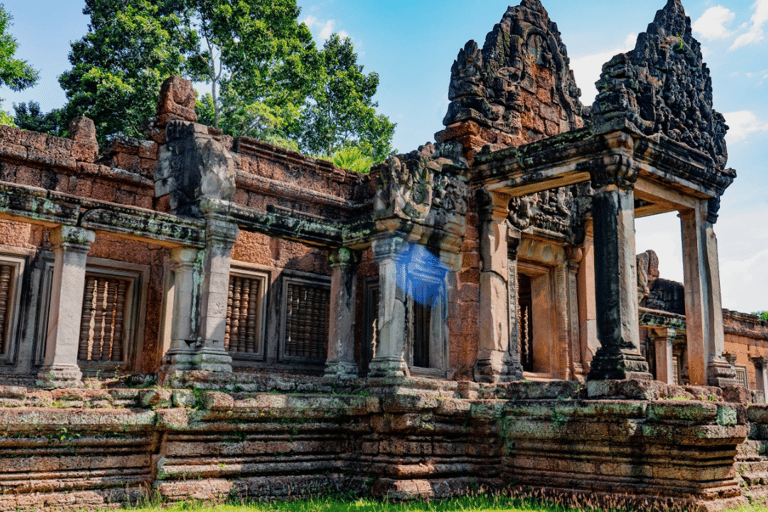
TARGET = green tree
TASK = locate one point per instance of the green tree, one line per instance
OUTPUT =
(15, 73)
(30, 117)
(341, 111)
(119, 65)
(260, 62)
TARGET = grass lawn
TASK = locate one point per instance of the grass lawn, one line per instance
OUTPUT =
(465, 504)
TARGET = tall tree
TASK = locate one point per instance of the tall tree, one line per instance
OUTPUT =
(30, 117)
(15, 73)
(119, 65)
(340, 111)
(260, 62)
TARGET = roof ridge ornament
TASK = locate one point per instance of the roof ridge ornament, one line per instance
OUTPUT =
(663, 86)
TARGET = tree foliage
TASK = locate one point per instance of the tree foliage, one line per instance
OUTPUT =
(30, 117)
(15, 73)
(340, 111)
(267, 78)
(119, 65)
(259, 61)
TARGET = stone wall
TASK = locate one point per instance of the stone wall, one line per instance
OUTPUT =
(277, 437)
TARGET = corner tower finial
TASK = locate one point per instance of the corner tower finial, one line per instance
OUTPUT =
(663, 86)
(519, 88)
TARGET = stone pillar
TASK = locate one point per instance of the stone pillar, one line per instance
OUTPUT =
(589, 344)
(389, 353)
(180, 355)
(493, 352)
(563, 300)
(703, 309)
(70, 246)
(220, 236)
(514, 365)
(761, 376)
(663, 340)
(575, 255)
(613, 211)
(341, 333)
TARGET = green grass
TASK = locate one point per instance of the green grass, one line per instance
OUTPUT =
(464, 504)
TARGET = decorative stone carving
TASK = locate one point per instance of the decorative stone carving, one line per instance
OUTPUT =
(519, 88)
(663, 86)
(410, 185)
(427, 186)
(557, 213)
(193, 166)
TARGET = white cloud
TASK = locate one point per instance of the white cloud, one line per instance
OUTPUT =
(755, 34)
(743, 283)
(323, 29)
(327, 29)
(587, 68)
(310, 21)
(741, 124)
(713, 23)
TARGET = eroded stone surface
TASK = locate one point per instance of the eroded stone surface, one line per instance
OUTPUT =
(663, 86)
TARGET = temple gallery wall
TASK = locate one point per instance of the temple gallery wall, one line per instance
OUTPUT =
(206, 316)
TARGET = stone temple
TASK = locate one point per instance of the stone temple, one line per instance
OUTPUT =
(207, 317)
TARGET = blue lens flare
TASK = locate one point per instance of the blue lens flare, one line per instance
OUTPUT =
(421, 274)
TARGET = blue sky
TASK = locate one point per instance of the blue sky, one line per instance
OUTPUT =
(412, 44)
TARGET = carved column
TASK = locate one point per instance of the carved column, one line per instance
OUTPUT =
(589, 343)
(515, 366)
(493, 354)
(220, 236)
(70, 246)
(180, 355)
(389, 354)
(613, 211)
(341, 333)
(575, 255)
(663, 340)
(563, 299)
(703, 309)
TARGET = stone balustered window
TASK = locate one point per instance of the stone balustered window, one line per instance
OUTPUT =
(11, 271)
(306, 315)
(370, 322)
(112, 322)
(741, 376)
(246, 300)
(106, 313)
